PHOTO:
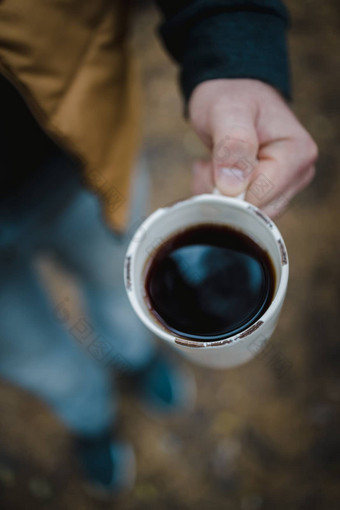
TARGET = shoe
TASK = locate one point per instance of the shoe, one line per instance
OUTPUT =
(164, 386)
(109, 466)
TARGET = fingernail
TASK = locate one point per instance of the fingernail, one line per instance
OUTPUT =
(230, 180)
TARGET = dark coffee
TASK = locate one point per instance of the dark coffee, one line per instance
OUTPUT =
(209, 282)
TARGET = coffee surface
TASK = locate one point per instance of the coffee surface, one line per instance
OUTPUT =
(209, 282)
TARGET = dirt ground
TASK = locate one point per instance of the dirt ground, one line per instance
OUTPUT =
(262, 436)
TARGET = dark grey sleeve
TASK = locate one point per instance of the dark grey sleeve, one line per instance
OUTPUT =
(213, 39)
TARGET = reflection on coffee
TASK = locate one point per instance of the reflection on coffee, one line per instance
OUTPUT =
(209, 282)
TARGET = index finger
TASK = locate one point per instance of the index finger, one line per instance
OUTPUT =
(282, 165)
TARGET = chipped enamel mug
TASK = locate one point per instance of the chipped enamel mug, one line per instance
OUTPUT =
(222, 210)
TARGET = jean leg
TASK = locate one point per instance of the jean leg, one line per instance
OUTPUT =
(95, 256)
(38, 354)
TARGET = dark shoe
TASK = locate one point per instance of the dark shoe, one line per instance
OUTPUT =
(165, 386)
(108, 466)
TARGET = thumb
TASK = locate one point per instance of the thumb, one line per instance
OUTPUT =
(235, 148)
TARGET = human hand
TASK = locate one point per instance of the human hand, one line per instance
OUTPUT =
(257, 144)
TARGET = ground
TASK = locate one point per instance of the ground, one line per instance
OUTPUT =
(262, 436)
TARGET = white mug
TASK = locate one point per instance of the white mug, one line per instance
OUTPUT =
(221, 210)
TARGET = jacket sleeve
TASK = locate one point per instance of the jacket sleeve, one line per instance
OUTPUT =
(213, 39)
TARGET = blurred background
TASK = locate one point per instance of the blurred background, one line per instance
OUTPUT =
(263, 436)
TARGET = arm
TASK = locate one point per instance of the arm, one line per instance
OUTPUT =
(235, 79)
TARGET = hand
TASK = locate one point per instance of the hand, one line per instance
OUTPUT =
(257, 144)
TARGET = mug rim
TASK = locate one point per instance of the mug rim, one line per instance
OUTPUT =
(158, 328)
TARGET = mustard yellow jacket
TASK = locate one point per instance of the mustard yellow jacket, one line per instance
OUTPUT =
(71, 61)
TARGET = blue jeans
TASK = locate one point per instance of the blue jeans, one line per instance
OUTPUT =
(66, 361)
